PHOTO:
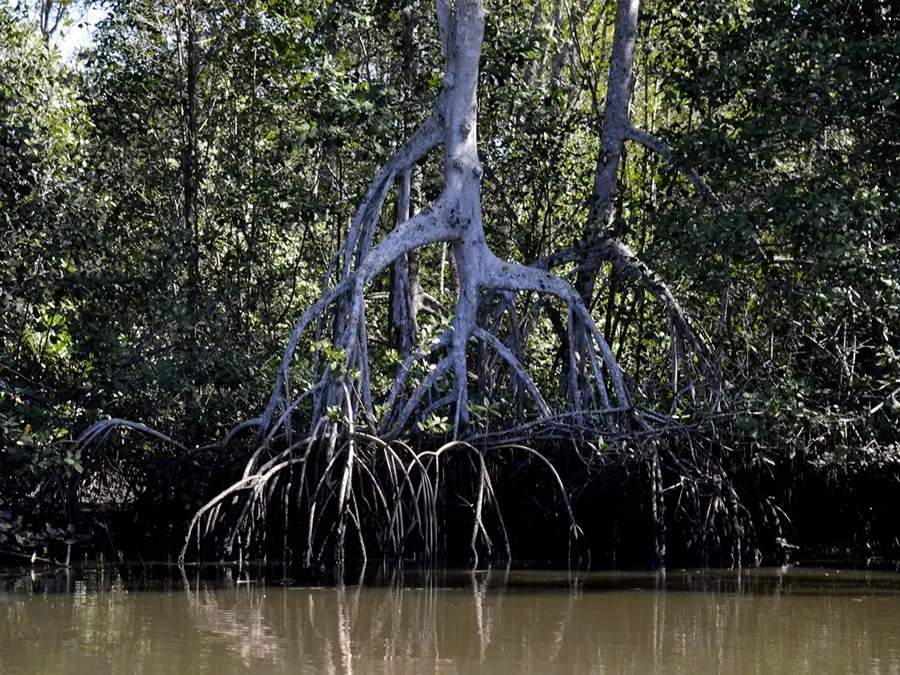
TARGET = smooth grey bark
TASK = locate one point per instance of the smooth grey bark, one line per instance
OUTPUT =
(335, 458)
(455, 219)
(612, 139)
(615, 127)
(598, 245)
(616, 115)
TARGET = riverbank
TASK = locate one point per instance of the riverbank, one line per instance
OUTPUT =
(797, 510)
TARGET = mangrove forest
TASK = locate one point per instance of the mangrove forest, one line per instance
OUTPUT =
(575, 283)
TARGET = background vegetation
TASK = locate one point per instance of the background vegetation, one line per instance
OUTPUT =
(170, 199)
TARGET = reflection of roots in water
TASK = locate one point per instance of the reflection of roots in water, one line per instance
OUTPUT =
(423, 626)
(345, 628)
(495, 621)
(236, 615)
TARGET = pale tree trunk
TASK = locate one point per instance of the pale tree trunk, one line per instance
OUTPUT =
(599, 245)
(616, 117)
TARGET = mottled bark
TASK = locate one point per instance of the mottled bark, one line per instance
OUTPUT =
(337, 457)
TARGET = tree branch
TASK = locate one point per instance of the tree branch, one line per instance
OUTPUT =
(666, 151)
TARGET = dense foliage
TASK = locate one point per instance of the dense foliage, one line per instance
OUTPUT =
(170, 201)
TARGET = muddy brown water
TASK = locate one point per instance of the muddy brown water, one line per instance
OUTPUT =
(131, 620)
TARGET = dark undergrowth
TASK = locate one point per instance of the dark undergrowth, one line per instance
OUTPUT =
(742, 515)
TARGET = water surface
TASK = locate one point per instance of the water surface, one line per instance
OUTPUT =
(138, 620)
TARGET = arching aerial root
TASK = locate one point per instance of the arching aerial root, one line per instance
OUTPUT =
(351, 491)
(344, 493)
(593, 364)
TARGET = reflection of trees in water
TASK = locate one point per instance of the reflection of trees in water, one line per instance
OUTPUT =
(492, 624)
(234, 620)
(486, 621)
